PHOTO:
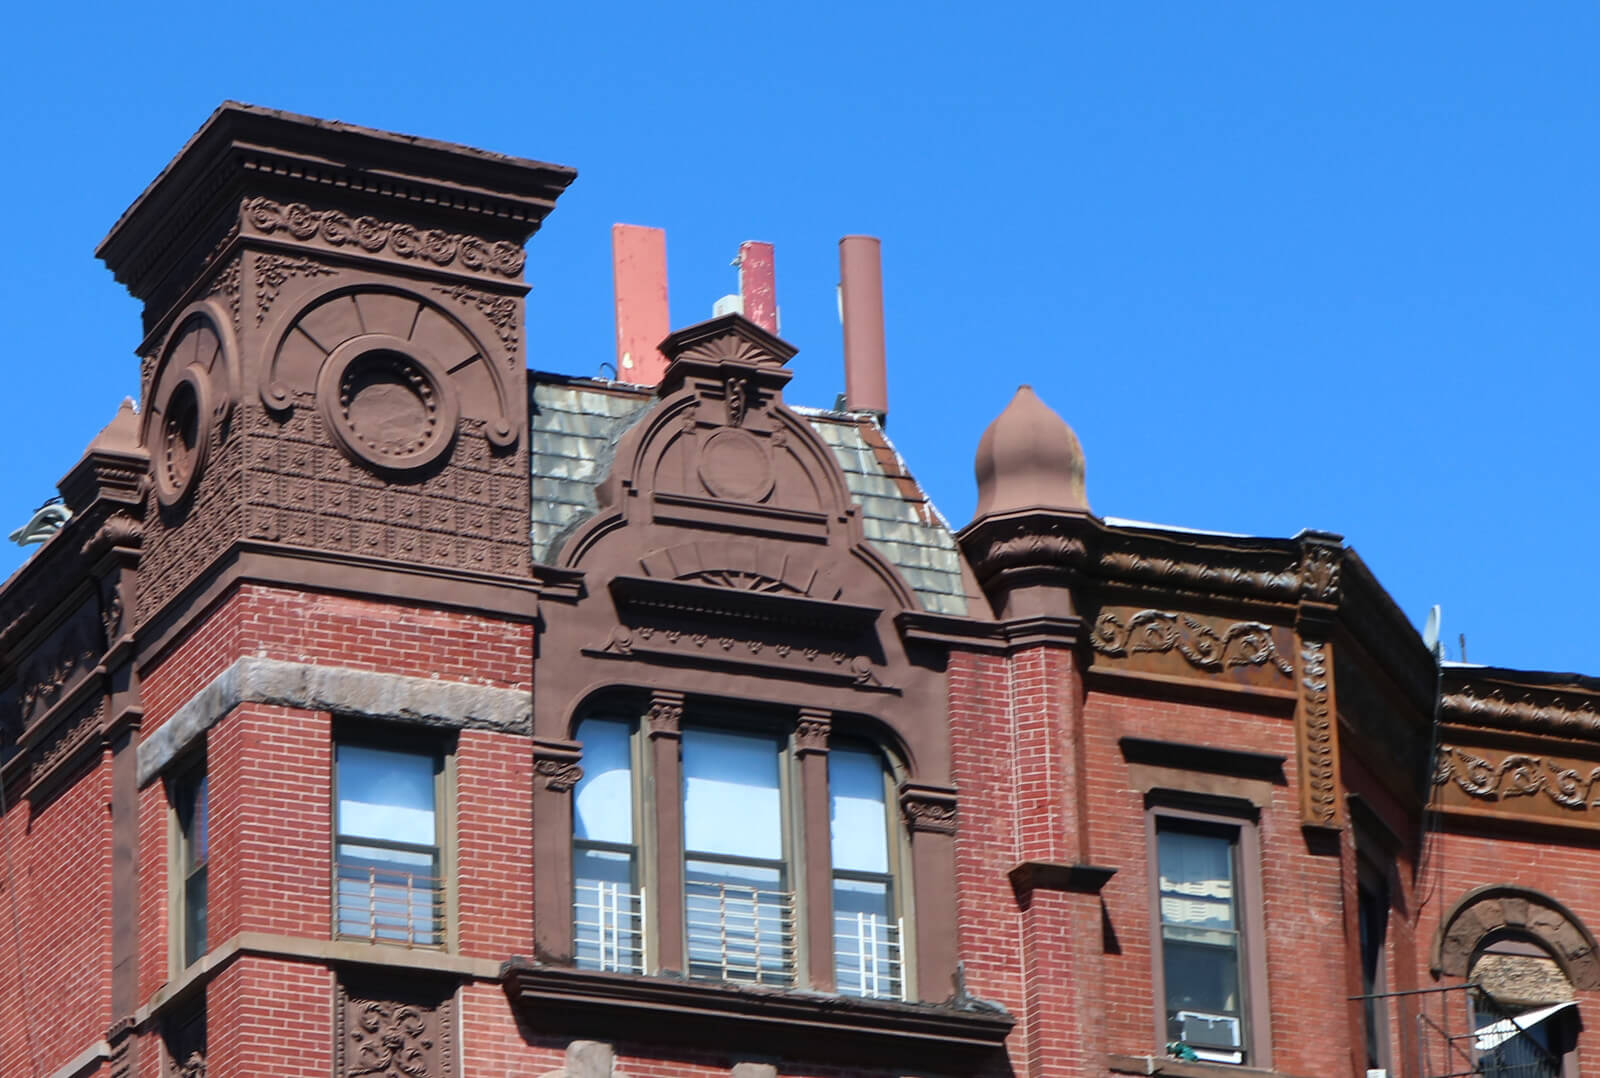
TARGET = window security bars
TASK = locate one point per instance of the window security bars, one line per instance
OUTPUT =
(1462, 1031)
(387, 904)
(867, 958)
(608, 922)
(740, 933)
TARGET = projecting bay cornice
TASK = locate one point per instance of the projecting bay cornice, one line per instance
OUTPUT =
(1557, 705)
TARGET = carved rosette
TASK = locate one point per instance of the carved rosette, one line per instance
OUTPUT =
(1314, 731)
(929, 809)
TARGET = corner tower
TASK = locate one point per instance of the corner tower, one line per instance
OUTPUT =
(332, 368)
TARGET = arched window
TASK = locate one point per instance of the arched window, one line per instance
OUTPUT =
(1522, 956)
(733, 856)
(1524, 1014)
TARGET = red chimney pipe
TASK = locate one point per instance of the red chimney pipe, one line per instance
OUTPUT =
(866, 380)
(639, 278)
(758, 284)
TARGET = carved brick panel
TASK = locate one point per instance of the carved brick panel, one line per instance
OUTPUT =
(65, 658)
(181, 540)
(384, 1033)
(303, 491)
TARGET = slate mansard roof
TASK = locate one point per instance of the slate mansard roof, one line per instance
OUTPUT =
(574, 425)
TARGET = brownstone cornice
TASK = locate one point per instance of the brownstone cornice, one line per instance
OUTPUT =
(859, 1032)
(240, 149)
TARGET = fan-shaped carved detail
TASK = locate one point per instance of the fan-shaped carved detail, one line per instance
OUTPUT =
(392, 372)
(743, 566)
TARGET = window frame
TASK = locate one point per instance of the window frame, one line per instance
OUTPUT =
(799, 847)
(1564, 1027)
(1241, 822)
(1374, 891)
(442, 750)
(899, 875)
(643, 867)
(184, 952)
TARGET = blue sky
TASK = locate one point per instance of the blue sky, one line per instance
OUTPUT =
(1281, 266)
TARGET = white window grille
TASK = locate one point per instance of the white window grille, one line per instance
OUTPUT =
(867, 957)
(609, 927)
(384, 904)
(740, 933)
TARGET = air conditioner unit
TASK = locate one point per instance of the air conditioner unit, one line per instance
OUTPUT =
(1214, 1037)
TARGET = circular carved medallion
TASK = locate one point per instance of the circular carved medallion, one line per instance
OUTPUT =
(734, 464)
(187, 405)
(387, 403)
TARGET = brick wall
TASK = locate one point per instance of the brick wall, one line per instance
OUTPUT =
(55, 923)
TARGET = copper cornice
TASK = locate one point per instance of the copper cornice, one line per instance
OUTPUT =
(1561, 705)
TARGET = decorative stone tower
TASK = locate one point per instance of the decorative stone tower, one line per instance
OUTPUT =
(332, 366)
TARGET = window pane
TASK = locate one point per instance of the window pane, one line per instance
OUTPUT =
(1201, 977)
(387, 795)
(857, 814)
(1199, 942)
(391, 896)
(608, 916)
(198, 827)
(730, 794)
(1196, 879)
(602, 808)
(740, 923)
(194, 916)
(866, 940)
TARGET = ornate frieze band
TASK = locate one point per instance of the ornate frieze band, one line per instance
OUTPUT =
(1567, 784)
(372, 235)
(746, 648)
(360, 693)
(1243, 643)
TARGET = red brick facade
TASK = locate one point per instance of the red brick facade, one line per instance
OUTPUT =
(294, 547)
